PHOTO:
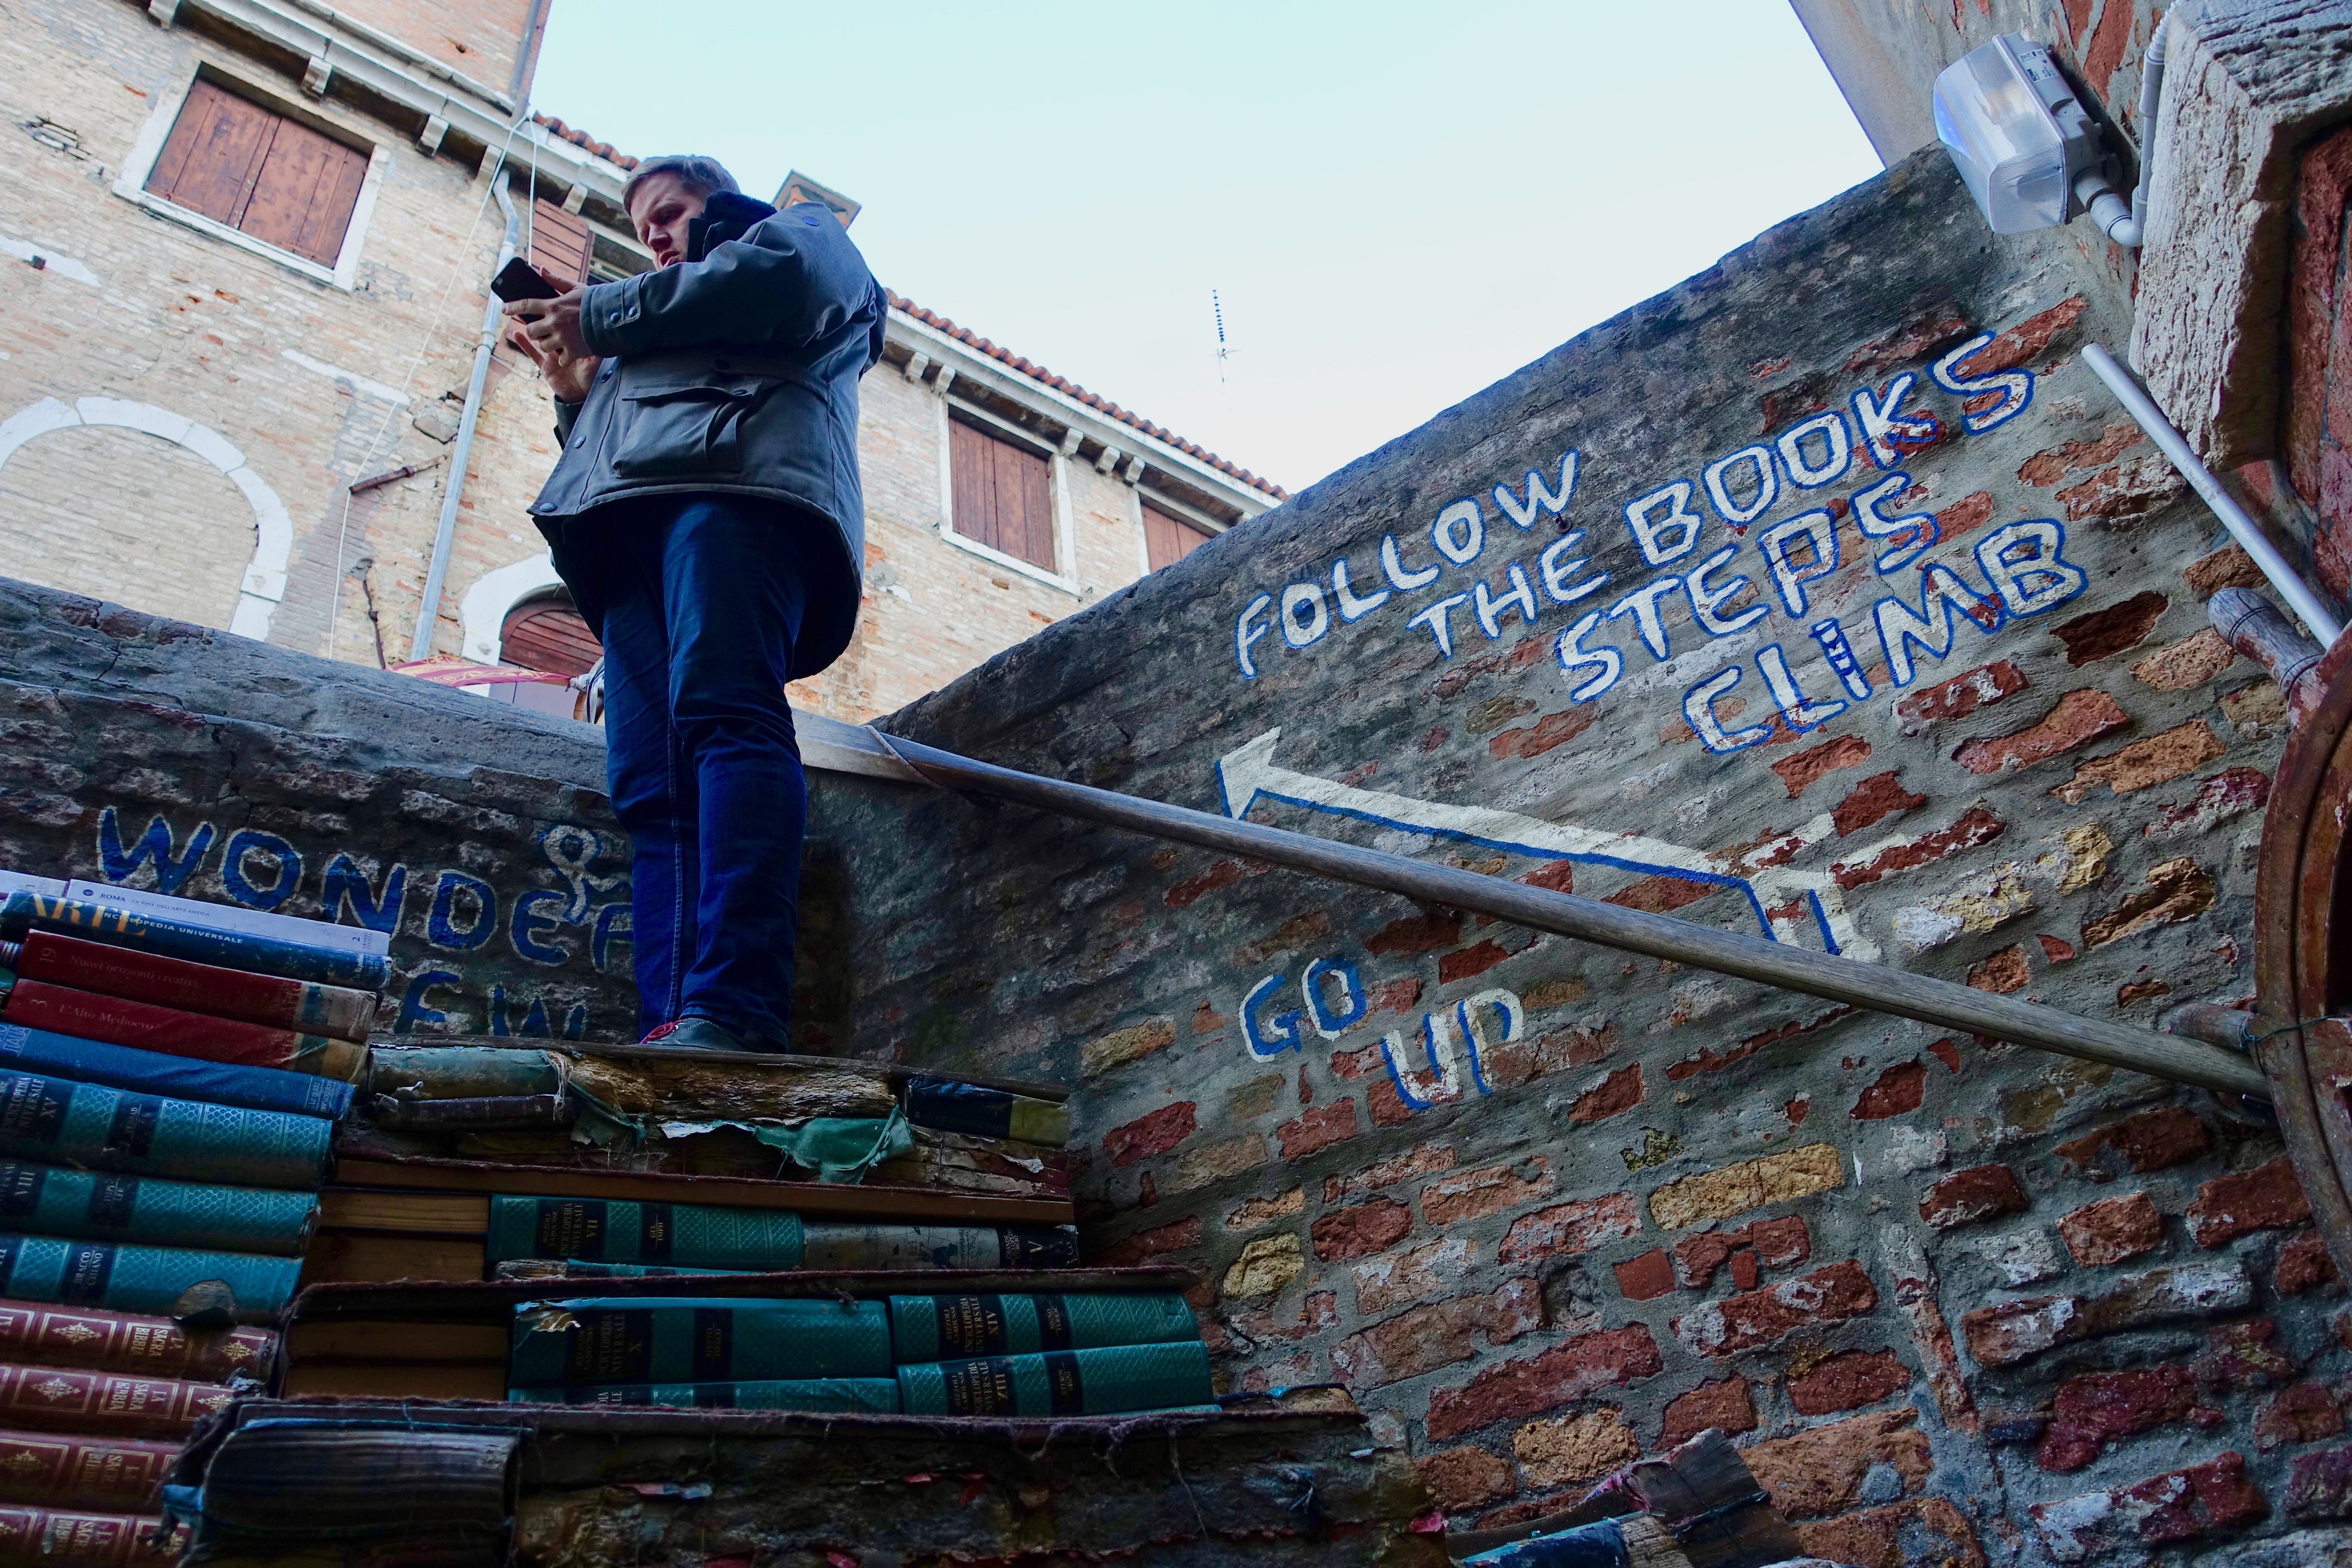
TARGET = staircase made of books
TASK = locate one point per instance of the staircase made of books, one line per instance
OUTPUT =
(458, 1303)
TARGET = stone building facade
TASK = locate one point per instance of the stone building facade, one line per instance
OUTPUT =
(249, 240)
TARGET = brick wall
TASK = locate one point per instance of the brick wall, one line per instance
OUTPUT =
(1543, 1205)
(2316, 442)
(483, 38)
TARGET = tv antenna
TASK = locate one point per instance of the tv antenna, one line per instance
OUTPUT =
(1217, 309)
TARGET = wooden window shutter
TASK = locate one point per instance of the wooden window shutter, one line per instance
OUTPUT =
(561, 244)
(973, 465)
(214, 154)
(260, 173)
(302, 202)
(1169, 539)
(1024, 505)
(548, 635)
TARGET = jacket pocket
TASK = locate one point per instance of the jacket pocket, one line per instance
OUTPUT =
(684, 429)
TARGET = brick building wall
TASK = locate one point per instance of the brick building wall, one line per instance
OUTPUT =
(291, 373)
(1543, 1206)
(229, 375)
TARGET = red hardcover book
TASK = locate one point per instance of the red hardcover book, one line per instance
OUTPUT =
(65, 1471)
(109, 1404)
(46, 1537)
(118, 1021)
(45, 1335)
(296, 1005)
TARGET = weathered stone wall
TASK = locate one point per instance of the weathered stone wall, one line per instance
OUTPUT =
(161, 755)
(1542, 1206)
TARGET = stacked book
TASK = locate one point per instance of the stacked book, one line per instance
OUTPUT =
(972, 1353)
(474, 1159)
(991, 1343)
(170, 1077)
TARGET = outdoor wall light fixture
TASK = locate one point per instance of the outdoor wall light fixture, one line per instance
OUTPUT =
(2031, 155)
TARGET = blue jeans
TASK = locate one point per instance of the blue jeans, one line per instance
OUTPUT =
(700, 597)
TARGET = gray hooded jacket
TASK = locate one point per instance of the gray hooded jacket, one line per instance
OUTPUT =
(736, 374)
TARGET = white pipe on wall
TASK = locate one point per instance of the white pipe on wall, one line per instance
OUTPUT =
(2306, 606)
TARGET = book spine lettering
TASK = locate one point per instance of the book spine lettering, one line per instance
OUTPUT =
(627, 1341)
(199, 943)
(35, 1004)
(128, 1342)
(1109, 1381)
(64, 1471)
(50, 1119)
(506, 1113)
(173, 1076)
(106, 1404)
(866, 1395)
(140, 1278)
(60, 1538)
(946, 1328)
(303, 1006)
(561, 1268)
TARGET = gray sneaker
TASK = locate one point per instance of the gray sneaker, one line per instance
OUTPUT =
(697, 1034)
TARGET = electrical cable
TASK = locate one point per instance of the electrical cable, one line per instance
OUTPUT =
(417, 362)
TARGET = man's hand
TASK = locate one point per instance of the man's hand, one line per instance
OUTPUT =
(552, 336)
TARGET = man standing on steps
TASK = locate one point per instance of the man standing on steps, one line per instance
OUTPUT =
(707, 515)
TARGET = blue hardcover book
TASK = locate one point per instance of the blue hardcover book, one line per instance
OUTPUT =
(140, 1278)
(58, 1121)
(174, 1077)
(189, 939)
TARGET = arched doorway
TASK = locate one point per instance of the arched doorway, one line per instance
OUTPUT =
(84, 502)
(545, 632)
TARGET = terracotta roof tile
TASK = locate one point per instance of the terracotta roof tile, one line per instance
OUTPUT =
(580, 139)
(1012, 360)
(1101, 404)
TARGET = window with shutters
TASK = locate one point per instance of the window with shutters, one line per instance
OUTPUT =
(1003, 495)
(561, 245)
(1167, 539)
(260, 172)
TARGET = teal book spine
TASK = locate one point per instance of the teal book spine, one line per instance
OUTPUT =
(832, 1395)
(600, 1230)
(947, 1328)
(99, 1205)
(56, 1119)
(618, 1339)
(1107, 1382)
(140, 1278)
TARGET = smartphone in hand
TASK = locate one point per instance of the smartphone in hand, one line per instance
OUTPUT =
(518, 280)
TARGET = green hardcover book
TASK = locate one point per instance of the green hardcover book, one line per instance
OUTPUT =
(831, 1396)
(51, 1200)
(698, 1236)
(56, 1119)
(600, 1230)
(140, 1278)
(462, 1072)
(572, 1268)
(634, 1339)
(1105, 1382)
(944, 1328)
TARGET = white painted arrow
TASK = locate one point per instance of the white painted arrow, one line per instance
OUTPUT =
(1787, 903)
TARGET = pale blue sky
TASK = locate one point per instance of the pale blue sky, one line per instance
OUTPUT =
(1398, 205)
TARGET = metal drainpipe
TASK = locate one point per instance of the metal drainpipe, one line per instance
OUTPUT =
(420, 645)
